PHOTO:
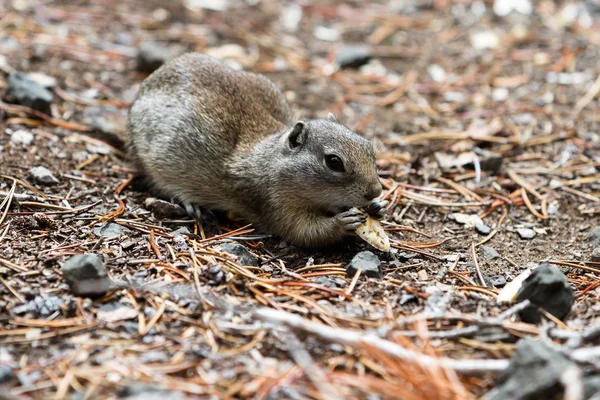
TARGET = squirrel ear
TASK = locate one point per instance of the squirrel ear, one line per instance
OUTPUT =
(298, 134)
(332, 118)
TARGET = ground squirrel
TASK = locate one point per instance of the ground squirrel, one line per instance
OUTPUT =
(219, 138)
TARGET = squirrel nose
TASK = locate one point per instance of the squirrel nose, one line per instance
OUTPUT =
(373, 191)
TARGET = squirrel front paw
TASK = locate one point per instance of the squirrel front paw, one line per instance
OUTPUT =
(350, 220)
(377, 208)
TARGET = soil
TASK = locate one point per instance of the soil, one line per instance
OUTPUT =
(527, 95)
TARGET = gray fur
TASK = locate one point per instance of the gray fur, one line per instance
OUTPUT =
(224, 139)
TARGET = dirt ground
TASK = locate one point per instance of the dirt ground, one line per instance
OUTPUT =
(516, 96)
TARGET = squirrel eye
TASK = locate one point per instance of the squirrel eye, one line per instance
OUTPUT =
(335, 163)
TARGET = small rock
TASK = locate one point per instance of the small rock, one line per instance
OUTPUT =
(183, 231)
(21, 138)
(86, 275)
(369, 263)
(485, 40)
(291, 17)
(43, 175)
(482, 228)
(244, 256)
(534, 372)
(113, 312)
(436, 72)
(109, 120)
(164, 209)
(110, 229)
(498, 280)
(526, 233)
(469, 220)
(594, 236)
(25, 91)
(422, 276)
(6, 373)
(151, 55)
(352, 56)
(596, 254)
(326, 34)
(454, 97)
(43, 80)
(489, 253)
(44, 304)
(547, 288)
(500, 94)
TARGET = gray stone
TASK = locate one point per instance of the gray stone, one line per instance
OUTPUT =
(594, 236)
(151, 55)
(43, 175)
(534, 373)
(352, 56)
(27, 92)
(369, 263)
(547, 288)
(482, 228)
(110, 229)
(526, 233)
(164, 209)
(244, 256)
(114, 312)
(596, 255)
(497, 280)
(109, 120)
(183, 231)
(21, 138)
(86, 275)
(489, 253)
(43, 304)
(6, 373)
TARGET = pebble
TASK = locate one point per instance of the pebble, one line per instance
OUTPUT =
(353, 56)
(369, 263)
(454, 97)
(497, 280)
(110, 120)
(21, 138)
(326, 34)
(596, 255)
(164, 209)
(27, 92)
(422, 276)
(151, 55)
(489, 253)
(594, 236)
(6, 373)
(244, 257)
(485, 40)
(526, 233)
(436, 72)
(482, 228)
(110, 229)
(500, 94)
(534, 372)
(43, 80)
(44, 304)
(86, 275)
(547, 288)
(113, 312)
(43, 175)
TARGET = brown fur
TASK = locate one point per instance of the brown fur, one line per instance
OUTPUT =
(216, 137)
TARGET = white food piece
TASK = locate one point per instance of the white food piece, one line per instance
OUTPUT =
(372, 232)
(510, 290)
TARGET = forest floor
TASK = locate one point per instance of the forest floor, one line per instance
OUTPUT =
(473, 113)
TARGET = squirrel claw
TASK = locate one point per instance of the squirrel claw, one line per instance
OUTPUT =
(350, 220)
(377, 208)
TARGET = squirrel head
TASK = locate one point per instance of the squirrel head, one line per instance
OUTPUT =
(328, 165)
